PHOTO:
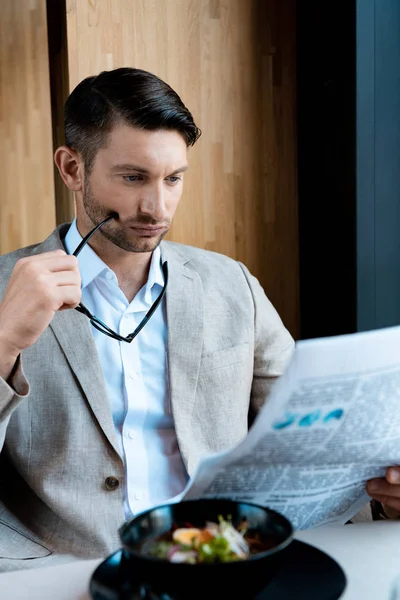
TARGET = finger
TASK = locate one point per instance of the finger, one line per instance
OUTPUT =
(393, 475)
(68, 296)
(60, 262)
(389, 501)
(61, 278)
(43, 256)
(383, 488)
(66, 307)
(58, 252)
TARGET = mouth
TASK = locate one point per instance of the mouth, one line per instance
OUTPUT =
(148, 231)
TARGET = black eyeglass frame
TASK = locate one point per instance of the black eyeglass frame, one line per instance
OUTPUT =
(97, 323)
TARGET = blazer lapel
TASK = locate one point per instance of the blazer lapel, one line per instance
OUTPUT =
(72, 331)
(184, 302)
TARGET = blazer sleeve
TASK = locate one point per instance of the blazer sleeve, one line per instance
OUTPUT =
(273, 344)
(12, 392)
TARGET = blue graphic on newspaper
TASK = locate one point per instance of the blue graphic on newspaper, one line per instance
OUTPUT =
(320, 417)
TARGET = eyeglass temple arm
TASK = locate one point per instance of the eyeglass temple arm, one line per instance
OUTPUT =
(105, 329)
(89, 235)
(130, 337)
(82, 309)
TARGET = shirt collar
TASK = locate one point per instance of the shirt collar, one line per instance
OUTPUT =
(156, 275)
(91, 266)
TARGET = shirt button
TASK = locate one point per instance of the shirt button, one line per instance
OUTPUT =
(138, 496)
(111, 483)
(109, 275)
(131, 435)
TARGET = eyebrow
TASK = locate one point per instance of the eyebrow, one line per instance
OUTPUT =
(145, 171)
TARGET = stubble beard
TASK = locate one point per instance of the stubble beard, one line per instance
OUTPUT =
(112, 232)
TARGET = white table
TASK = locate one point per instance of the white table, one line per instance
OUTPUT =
(369, 553)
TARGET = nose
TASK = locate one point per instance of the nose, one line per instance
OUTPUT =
(152, 201)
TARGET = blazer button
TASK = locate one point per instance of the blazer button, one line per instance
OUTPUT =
(111, 483)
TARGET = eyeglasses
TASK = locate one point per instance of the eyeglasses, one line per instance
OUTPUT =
(97, 323)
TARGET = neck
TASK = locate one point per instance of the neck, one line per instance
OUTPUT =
(131, 268)
(132, 273)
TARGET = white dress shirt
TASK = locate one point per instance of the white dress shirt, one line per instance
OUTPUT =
(136, 377)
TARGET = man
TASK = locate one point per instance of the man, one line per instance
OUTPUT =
(97, 426)
(107, 409)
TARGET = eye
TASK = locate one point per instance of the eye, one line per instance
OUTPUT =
(174, 179)
(131, 178)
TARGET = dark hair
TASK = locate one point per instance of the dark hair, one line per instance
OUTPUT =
(133, 96)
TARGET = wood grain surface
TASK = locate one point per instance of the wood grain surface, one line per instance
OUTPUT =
(27, 210)
(233, 64)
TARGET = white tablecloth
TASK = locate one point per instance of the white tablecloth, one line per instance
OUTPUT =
(369, 553)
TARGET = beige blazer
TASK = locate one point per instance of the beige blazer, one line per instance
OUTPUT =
(226, 345)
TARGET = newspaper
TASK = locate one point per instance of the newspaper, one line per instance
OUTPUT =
(331, 422)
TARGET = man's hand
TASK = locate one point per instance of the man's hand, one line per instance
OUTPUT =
(387, 491)
(38, 287)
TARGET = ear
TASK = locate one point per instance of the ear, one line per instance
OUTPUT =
(71, 168)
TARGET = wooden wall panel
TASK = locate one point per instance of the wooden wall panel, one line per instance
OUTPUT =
(59, 89)
(27, 213)
(233, 64)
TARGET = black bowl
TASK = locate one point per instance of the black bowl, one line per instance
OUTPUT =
(182, 581)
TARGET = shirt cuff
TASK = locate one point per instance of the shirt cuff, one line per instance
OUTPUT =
(16, 384)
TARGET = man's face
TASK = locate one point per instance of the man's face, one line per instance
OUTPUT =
(139, 175)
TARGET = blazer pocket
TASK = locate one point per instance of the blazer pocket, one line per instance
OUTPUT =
(226, 357)
(16, 545)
